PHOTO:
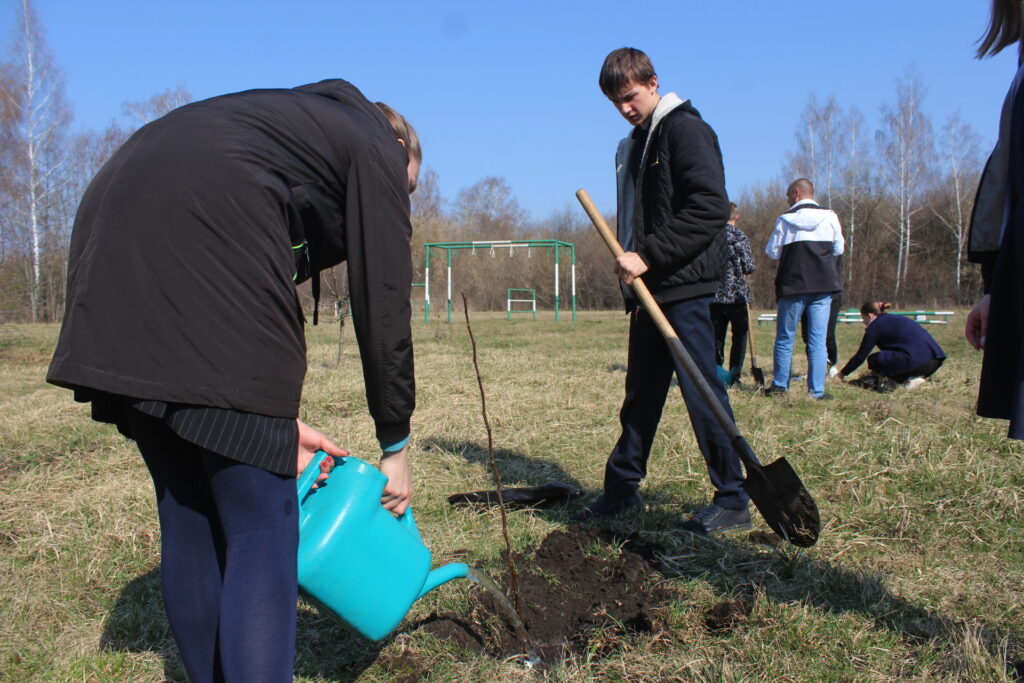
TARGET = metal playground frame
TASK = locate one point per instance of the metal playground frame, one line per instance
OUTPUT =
(555, 245)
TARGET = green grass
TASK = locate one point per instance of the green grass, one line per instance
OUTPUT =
(917, 575)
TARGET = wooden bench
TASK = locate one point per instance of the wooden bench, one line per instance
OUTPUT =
(852, 315)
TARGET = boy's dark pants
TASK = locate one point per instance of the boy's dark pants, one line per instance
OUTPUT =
(722, 315)
(649, 373)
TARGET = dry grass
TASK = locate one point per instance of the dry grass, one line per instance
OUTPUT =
(917, 576)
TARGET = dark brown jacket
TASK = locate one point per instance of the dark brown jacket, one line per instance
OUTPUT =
(181, 283)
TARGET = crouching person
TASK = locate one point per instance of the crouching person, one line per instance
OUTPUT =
(907, 354)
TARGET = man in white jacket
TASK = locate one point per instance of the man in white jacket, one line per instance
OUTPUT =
(805, 241)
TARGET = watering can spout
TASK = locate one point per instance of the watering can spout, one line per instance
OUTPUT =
(455, 570)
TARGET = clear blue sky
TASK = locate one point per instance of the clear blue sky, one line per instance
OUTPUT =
(510, 89)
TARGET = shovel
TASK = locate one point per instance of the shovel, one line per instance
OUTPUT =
(757, 372)
(527, 496)
(776, 490)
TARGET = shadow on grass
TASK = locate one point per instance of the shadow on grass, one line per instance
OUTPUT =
(515, 468)
(518, 470)
(325, 648)
(759, 563)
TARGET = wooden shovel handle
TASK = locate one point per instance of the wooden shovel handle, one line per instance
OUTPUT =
(654, 310)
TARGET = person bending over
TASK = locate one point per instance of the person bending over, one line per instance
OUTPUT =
(183, 328)
(907, 353)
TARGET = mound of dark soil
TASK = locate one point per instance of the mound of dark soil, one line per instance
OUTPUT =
(575, 587)
(727, 614)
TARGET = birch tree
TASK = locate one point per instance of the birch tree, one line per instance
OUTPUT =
(906, 147)
(960, 147)
(36, 96)
(818, 140)
(855, 173)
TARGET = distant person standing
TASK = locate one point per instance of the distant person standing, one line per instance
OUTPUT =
(907, 353)
(731, 299)
(996, 324)
(672, 211)
(805, 241)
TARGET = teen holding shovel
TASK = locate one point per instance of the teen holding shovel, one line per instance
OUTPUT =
(672, 211)
(184, 329)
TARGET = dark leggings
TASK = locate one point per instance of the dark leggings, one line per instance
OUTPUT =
(722, 315)
(926, 369)
(229, 540)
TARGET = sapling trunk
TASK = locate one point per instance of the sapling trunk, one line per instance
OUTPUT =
(513, 577)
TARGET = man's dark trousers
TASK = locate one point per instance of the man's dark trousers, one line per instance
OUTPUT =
(648, 376)
(722, 315)
(831, 349)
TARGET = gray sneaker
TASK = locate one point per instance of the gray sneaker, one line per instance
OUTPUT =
(713, 518)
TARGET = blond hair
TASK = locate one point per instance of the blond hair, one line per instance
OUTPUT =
(404, 130)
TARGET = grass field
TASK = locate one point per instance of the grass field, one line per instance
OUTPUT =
(918, 574)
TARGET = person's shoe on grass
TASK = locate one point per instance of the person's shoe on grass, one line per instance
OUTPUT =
(713, 518)
(606, 505)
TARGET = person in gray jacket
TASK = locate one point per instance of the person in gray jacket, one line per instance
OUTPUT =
(805, 241)
(731, 301)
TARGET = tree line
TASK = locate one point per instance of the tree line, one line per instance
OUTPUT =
(903, 191)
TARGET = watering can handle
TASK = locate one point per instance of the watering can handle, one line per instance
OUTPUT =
(409, 522)
(310, 474)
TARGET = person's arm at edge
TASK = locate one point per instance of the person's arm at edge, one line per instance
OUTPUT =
(746, 254)
(379, 230)
(838, 243)
(773, 247)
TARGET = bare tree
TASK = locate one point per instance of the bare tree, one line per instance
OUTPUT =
(36, 95)
(489, 210)
(818, 144)
(142, 112)
(960, 147)
(855, 172)
(907, 148)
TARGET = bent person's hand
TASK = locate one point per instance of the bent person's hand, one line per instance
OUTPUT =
(976, 328)
(311, 441)
(398, 491)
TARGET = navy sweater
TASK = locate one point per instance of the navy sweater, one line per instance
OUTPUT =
(904, 345)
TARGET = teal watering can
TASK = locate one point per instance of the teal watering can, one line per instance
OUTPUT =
(356, 559)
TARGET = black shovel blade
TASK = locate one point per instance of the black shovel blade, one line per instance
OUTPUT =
(551, 492)
(785, 504)
(758, 374)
